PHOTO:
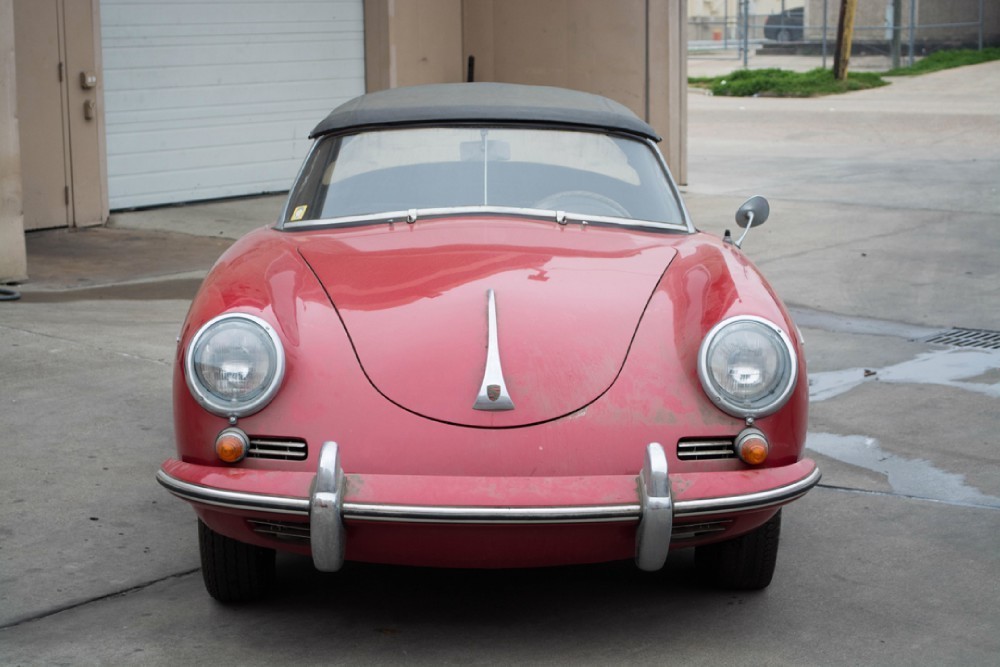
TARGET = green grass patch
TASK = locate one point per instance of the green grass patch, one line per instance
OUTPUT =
(785, 83)
(940, 60)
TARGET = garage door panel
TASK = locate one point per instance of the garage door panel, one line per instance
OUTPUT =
(153, 120)
(197, 183)
(153, 57)
(270, 33)
(217, 99)
(268, 73)
(214, 100)
(151, 143)
(221, 13)
(165, 162)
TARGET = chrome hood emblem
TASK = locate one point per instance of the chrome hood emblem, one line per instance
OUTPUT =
(493, 392)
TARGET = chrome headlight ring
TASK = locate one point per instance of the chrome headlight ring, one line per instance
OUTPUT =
(747, 366)
(234, 364)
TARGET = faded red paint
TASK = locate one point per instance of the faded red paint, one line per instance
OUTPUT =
(599, 329)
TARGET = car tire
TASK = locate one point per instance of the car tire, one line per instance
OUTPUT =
(234, 571)
(745, 563)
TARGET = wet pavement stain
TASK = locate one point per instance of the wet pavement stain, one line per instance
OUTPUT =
(973, 370)
(908, 477)
(180, 288)
(103, 258)
(965, 369)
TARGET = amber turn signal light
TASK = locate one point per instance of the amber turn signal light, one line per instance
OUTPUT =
(231, 445)
(752, 446)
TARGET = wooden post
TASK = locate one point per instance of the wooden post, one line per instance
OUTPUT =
(897, 22)
(845, 33)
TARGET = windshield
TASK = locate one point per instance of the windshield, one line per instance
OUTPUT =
(581, 173)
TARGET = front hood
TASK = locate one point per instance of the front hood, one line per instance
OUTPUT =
(413, 299)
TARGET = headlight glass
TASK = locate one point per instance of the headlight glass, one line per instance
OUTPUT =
(747, 366)
(235, 364)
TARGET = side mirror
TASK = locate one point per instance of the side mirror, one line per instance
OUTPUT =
(752, 213)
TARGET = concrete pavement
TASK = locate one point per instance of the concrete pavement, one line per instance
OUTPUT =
(724, 61)
(884, 230)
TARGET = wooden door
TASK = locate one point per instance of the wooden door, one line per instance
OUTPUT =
(59, 115)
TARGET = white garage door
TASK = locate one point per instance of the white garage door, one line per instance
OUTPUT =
(216, 99)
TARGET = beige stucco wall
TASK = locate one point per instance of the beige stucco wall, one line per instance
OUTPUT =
(633, 51)
(13, 261)
(590, 45)
(668, 81)
(408, 43)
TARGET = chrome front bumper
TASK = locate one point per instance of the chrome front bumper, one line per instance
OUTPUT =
(327, 508)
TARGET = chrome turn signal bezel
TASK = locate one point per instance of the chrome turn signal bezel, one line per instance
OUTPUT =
(242, 439)
(746, 436)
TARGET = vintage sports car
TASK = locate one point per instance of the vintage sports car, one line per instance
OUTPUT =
(485, 333)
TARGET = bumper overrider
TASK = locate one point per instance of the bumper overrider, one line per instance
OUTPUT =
(329, 498)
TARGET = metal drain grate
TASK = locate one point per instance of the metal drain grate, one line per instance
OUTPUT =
(981, 338)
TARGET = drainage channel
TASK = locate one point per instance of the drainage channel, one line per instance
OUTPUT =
(982, 339)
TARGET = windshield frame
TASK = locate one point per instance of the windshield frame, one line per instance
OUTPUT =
(685, 225)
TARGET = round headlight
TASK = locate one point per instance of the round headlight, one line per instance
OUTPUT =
(234, 365)
(747, 366)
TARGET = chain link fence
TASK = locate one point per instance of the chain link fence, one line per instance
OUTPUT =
(902, 29)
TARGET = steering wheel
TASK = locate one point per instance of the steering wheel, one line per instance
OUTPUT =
(582, 201)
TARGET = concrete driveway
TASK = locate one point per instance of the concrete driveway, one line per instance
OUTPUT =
(884, 232)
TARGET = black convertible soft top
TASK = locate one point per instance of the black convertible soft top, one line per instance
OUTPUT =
(503, 103)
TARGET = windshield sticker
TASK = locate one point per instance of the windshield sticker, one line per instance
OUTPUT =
(299, 213)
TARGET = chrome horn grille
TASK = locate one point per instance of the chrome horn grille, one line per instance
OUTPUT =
(282, 449)
(701, 449)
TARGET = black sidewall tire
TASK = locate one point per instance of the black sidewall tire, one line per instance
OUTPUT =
(744, 563)
(234, 571)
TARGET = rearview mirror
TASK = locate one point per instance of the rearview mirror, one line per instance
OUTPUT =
(494, 149)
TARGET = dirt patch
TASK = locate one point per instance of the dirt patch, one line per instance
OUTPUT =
(62, 259)
(181, 288)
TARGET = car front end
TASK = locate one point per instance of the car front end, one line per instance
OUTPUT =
(503, 346)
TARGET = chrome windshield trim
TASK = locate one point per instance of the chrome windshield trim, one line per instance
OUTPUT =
(233, 499)
(404, 215)
(674, 189)
(749, 501)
